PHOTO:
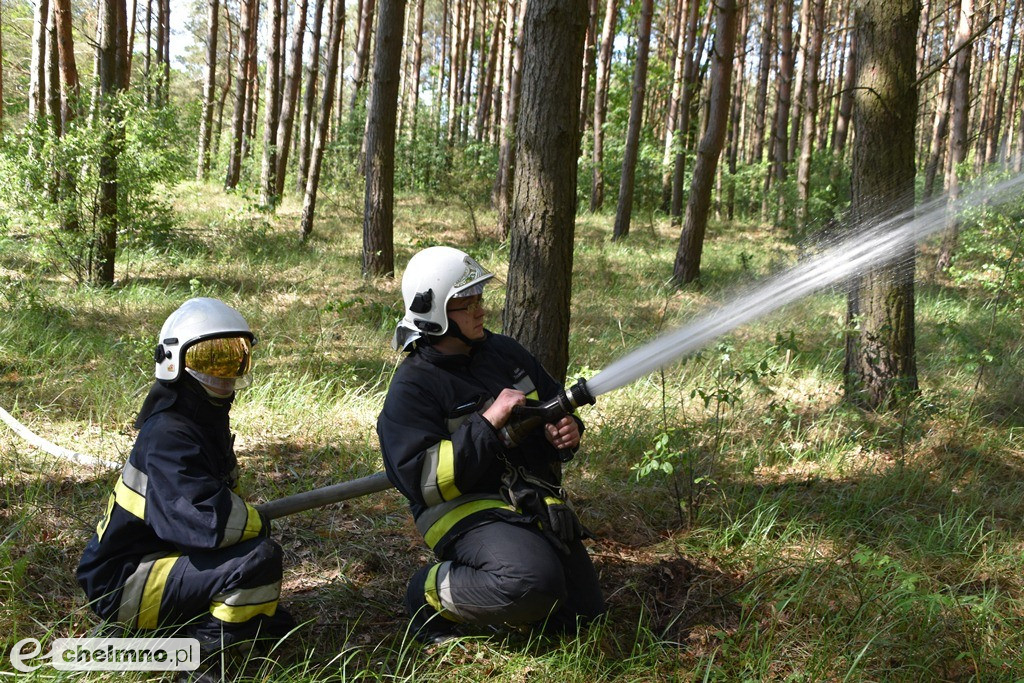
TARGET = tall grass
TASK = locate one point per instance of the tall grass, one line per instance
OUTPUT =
(794, 537)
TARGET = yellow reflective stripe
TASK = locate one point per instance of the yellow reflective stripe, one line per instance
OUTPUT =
(430, 588)
(153, 593)
(442, 526)
(446, 471)
(101, 526)
(533, 395)
(549, 500)
(131, 501)
(236, 615)
(243, 604)
(253, 524)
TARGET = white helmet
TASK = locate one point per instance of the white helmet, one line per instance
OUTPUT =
(198, 320)
(432, 277)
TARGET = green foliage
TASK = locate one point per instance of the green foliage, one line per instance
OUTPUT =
(51, 185)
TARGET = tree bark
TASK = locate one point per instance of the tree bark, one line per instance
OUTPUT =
(763, 69)
(682, 124)
(846, 100)
(501, 195)
(880, 352)
(290, 97)
(210, 84)
(691, 240)
(417, 66)
(360, 67)
(271, 112)
(336, 21)
(544, 202)
(678, 61)
(484, 97)
(70, 87)
(241, 87)
(589, 59)
(110, 59)
(1003, 82)
(812, 61)
(309, 100)
(624, 210)
(958, 139)
(37, 81)
(378, 216)
(601, 81)
(252, 88)
(781, 136)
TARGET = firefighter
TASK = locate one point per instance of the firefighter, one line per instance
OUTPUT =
(497, 563)
(178, 545)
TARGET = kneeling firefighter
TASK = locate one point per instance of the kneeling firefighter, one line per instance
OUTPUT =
(507, 541)
(178, 546)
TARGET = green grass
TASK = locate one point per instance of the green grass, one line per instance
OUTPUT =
(797, 538)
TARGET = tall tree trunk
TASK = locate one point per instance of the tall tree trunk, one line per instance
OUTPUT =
(336, 21)
(782, 112)
(291, 97)
(880, 362)
(378, 216)
(1003, 82)
(110, 59)
(1, 70)
(682, 124)
(958, 139)
(735, 133)
(544, 203)
(812, 60)
(799, 78)
(161, 28)
(501, 196)
(225, 89)
(309, 99)
(360, 67)
(417, 66)
(252, 88)
(589, 59)
(691, 240)
(846, 99)
(484, 97)
(37, 80)
(940, 127)
(601, 81)
(271, 113)
(210, 84)
(763, 69)
(70, 87)
(679, 59)
(53, 95)
(624, 210)
(241, 87)
(148, 61)
(166, 59)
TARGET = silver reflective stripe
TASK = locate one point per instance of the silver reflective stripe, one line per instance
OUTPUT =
(235, 526)
(434, 513)
(250, 596)
(444, 592)
(525, 385)
(135, 479)
(428, 478)
(131, 592)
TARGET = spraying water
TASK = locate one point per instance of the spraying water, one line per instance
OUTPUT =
(854, 256)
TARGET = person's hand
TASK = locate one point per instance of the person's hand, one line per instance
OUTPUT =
(563, 434)
(501, 409)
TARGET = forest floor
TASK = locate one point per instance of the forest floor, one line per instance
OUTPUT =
(751, 525)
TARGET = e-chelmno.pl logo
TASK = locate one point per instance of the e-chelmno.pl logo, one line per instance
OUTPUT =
(108, 654)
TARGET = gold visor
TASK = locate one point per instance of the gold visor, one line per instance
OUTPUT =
(226, 357)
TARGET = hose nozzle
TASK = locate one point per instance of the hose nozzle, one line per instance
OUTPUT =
(526, 418)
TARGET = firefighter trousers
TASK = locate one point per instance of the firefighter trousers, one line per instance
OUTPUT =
(506, 573)
(221, 596)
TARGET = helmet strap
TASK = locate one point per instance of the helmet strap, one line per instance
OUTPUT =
(455, 331)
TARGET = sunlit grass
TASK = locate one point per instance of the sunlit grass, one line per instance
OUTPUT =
(796, 538)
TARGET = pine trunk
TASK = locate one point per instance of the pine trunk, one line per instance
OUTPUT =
(309, 100)
(502, 195)
(812, 59)
(544, 202)
(691, 240)
(880, 363)
(624, 210)
(241, 87)
(378, 216)
(271, 113)
(290, 97)
(336, 21)
(763, 70)
(360, 67)
(601, 81)
(110, 60)
(206, 119)
(37, 78)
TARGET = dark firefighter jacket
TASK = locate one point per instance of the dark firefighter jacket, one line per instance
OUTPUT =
(177, 492)
(441, 453)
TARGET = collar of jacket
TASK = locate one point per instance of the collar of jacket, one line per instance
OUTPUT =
(430, 354)
(187, 397)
